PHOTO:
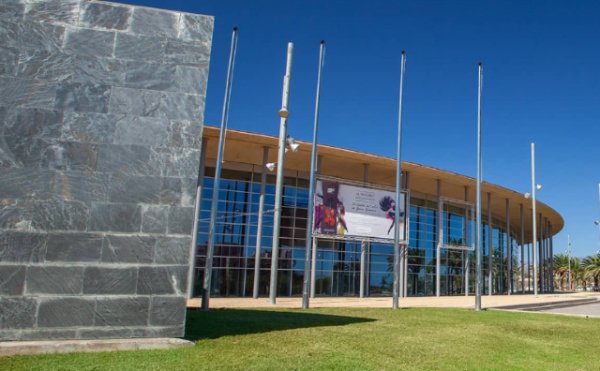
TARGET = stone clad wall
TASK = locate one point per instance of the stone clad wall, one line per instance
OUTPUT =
(101, 112)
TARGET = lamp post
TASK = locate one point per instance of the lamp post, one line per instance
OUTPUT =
(283, 116)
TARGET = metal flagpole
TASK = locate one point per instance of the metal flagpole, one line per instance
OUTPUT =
(396, 286)
(478, 196)
(283, 115)
(534, 220)
(215, 198)
(311, 186)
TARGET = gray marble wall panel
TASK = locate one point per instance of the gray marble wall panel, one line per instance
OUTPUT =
(101, 113)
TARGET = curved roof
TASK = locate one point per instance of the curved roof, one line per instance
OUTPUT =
(247, 148)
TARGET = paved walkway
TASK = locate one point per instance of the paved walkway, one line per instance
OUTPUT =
(410, 302)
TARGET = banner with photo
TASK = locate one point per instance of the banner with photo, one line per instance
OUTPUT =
(346, 210)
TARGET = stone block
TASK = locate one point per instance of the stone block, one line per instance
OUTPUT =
(134, 189)
(54, 280)
(9, 32)
(139, 48)
(170, 191)
(88, 127)
(159, 332)
(178, 162)
(104, 333)
(162, 280)
(115, 217)
(172, 250)
(81, 186)
(89, 42)
(167, 311)
(181, 220)
(22, 247)
(62, 11)
(74, 247)
(12, 280)
(32, 123)
(191, 80)
(66, 312)
(33, 34)
(12, 10)
(128, 249)
(70, 156)
(152, 76)
(82, 97)
(178, 106)
(9, 58)
(185, 134)
(105, 15)
(59, 215)
(196, 27)
(26, 183)
(130, 311)
(45, 65)
(155, 22)
(16, 92)
(16, 217)
(154, 219)
(109, 281)
(16, 313)
(38, 334)
(187, 53)
(188, 191)
(124, 101)
(127, 159)
(145, 131)
(99, 70)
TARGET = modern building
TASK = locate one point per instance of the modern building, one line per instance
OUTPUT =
(440, 216)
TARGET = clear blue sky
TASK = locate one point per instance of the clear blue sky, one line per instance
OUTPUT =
(541, 84)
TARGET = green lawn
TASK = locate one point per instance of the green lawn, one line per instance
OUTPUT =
(357, 338)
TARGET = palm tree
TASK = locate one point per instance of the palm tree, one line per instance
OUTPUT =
(591, 266)
(578, 274)
(561, 270)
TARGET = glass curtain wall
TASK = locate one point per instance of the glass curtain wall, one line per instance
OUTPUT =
(338, 261)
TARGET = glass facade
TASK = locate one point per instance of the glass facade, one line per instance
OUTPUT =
(338, 262)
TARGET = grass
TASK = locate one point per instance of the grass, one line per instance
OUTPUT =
(356, 338)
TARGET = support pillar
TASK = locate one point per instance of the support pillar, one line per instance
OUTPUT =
(466, 234)
(490, 247)
(363, 245)
(440, 239)
(508, 250)
(522, 243)
(406, 249)
(197, 209)
(313, 263)
(259, 226)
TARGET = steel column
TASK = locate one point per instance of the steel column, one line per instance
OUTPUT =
(522, 243)
(259, 227)
(363, 245)
(440, 238)
(508, 248)
(313, 263)
(490, 247)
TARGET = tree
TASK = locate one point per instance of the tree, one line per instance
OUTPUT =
(591, 266)
(561, 270)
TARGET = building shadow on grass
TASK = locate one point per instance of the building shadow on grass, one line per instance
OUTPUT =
(226, 322)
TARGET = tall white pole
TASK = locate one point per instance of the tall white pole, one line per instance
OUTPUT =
(283, 115)
(397, 284)
(534, 220)
(311, 187)
(478, 197)
(217, 180)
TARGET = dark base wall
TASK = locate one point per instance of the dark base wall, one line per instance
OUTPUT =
(101, 111)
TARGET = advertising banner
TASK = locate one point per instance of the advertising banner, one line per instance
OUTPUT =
(345, 210)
